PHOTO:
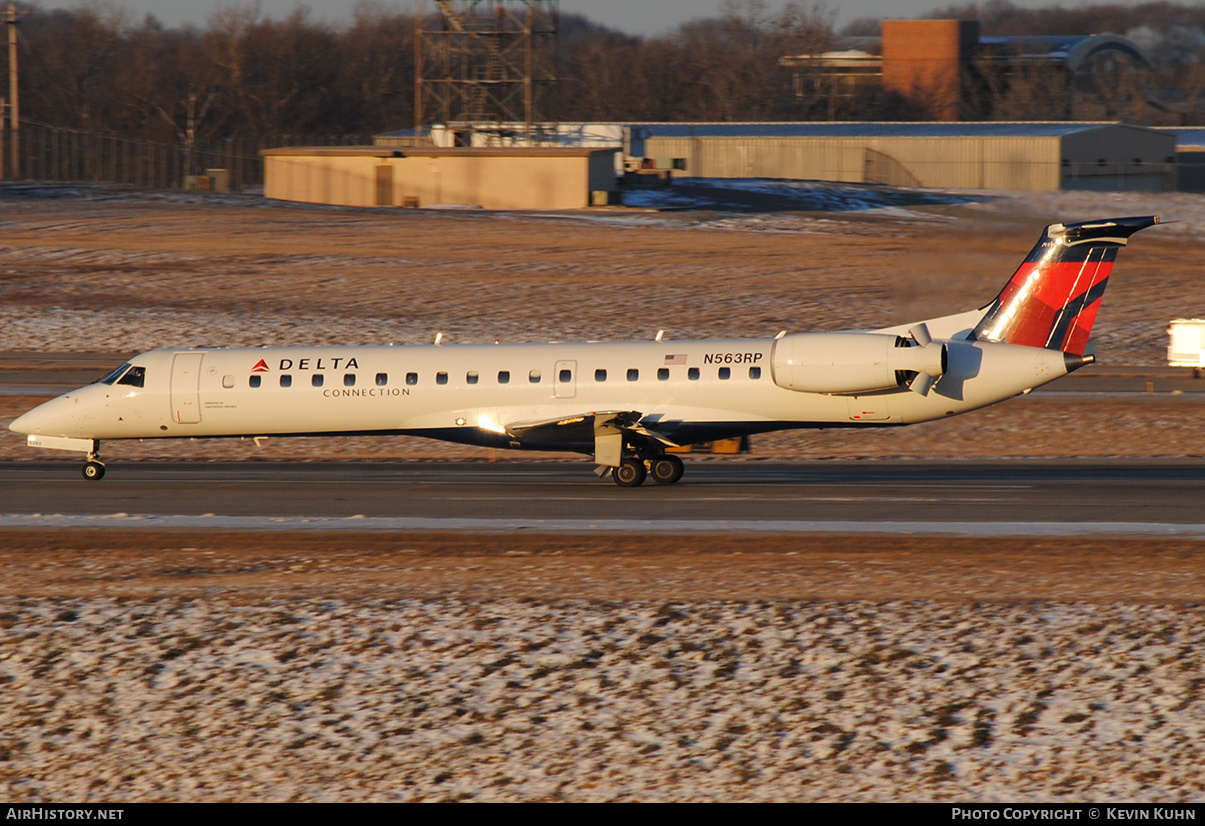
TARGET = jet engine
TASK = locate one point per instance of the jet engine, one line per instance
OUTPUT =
(847, 363)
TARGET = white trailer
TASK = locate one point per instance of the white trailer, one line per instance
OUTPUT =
(1186, 345)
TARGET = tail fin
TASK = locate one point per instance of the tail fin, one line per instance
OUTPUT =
(1052, 299)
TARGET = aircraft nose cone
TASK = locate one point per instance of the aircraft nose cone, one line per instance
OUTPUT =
(23, 423)
(43, 420)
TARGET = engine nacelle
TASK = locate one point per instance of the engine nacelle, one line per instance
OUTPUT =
(857, 362)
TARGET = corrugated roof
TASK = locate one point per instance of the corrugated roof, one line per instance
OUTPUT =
(1005, 129)
(1185, 135)
(427, 151)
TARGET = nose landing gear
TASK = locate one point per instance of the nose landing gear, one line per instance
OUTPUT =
(94, 468)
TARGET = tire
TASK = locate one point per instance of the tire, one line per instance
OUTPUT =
(630, 473)
(667, 470)
(94, 471)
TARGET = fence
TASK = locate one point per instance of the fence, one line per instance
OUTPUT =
(47, 153)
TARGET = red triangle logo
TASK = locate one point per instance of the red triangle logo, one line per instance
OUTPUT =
(260, 367)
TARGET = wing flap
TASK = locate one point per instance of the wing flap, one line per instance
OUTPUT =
(585, 427)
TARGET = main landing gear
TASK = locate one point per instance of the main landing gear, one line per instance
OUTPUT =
(633, 470)
(94, 468)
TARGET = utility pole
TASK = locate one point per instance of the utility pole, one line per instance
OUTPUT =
(14, 116)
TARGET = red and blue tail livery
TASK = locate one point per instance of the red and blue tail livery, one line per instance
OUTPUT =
(1052, 299)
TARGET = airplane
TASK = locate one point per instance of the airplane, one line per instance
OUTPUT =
(622, 403)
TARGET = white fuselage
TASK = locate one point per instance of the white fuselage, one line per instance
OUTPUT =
(686, 391)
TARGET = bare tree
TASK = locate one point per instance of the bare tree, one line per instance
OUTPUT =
(373, 87)
(246, 75)
(70, 58)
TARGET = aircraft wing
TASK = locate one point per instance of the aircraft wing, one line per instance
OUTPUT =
(584, 428)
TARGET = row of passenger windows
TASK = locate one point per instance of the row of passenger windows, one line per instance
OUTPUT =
(472, 377)
(724, 373)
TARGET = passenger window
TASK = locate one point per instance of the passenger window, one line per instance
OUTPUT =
(755, 372)
(600, 375)
(662, 374)
(254, 381)
(503, 377)
(693, 374)
(227, 382)
(412, 379)
(566, 376)
(349, 379)
(471, 377)
(633, 374)
(441, 378)
(316, 379)
(725, 373)
(382, 379)
(286, 380)
(534, 377)
(135, 377)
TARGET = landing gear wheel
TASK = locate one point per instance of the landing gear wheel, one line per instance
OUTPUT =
(667, 470)
(630, 473)
(94, 471)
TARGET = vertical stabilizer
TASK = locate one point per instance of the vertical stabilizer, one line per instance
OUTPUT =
(1052, 299)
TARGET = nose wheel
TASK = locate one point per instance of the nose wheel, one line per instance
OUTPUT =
(94, 468)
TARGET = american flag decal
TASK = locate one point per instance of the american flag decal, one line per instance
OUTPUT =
(677, 358)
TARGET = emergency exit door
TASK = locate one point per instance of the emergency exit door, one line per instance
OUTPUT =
(565, 380)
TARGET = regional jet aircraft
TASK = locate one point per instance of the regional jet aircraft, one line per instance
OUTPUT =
(622, 403)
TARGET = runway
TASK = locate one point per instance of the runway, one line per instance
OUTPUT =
(1015, 498)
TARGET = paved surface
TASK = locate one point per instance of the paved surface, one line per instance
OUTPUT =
(716, 491)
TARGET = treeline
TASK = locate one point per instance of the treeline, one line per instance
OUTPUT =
(243, 75)
(93, 69)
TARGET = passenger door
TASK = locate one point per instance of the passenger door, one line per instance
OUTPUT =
(186, 386)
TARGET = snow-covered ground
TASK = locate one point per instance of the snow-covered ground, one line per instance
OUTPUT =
(768, 204)
(518, 700)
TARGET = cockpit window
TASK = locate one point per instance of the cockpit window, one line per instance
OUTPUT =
(134, 377)
(116, 374)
